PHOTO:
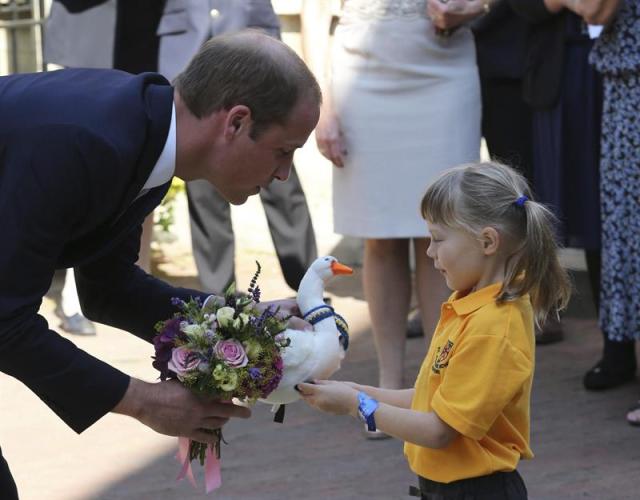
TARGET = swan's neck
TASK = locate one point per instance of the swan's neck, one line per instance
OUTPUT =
(310, 292)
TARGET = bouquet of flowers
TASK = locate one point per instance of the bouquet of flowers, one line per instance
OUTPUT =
(227, 348)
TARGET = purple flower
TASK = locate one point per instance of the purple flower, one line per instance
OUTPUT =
(255, 373)
(272, 384)
(164, 343)
(176, 301)
(183, 361)
(231, 352)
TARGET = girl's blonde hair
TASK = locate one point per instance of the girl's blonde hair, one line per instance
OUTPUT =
(474, 196)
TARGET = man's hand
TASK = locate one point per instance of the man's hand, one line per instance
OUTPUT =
(172, 409)
(331, 396)
(286, 307)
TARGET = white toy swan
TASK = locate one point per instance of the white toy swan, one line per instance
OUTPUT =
(311, 354)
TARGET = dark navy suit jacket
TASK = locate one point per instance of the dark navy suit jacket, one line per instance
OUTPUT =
(76, 147)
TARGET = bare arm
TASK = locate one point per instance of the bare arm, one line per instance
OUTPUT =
(421, 428)
(400, 398)
(595, 11)
(592, 11)
(315, 19)
(172, 409)
(316, 24)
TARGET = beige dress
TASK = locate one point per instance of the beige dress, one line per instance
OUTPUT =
(408, 101)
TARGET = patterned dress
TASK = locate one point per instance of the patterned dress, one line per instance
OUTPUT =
(617, 56)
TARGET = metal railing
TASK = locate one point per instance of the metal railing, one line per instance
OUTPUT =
(21, 35)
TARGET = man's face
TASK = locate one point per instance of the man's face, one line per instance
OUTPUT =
(249, 165)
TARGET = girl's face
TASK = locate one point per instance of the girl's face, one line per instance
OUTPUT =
(458, 255)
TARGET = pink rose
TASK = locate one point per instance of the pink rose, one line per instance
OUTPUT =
(231, 352)
(183, 361)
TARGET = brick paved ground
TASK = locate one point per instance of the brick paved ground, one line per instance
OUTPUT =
(583, 447)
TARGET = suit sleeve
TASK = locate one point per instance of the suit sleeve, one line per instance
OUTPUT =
(113, 290)
(40, 198)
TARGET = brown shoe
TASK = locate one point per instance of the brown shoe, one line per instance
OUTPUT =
(550, 333)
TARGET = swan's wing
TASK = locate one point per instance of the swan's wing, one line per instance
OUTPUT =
(299, 350)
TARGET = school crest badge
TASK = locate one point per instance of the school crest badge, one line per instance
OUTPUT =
(442, 357)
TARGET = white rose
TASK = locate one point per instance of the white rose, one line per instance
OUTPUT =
(225, 316)
(241, 320)
(193, 330)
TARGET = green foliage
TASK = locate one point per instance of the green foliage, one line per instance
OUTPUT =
(164, 214)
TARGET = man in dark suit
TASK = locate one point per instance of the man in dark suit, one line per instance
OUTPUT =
(185, 25)
(108, 145)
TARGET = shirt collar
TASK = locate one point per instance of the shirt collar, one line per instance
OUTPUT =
(474, 300)
(166, 164)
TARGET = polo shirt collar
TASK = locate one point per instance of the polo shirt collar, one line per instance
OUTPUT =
(474, 300)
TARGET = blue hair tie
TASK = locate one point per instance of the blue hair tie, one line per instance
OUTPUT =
(521, 200)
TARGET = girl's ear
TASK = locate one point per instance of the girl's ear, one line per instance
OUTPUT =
(490, 240)
(237, 120)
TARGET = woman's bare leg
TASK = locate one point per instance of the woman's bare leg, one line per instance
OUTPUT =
(387, 288)
(431, 288)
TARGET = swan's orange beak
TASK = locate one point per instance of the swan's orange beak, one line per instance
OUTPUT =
(337, 268)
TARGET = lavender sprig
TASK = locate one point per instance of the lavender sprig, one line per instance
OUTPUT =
(254, 289)
(269, 312)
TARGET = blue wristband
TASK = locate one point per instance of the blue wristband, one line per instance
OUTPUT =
(367, 406)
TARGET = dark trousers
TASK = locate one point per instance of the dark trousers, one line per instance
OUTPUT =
(8, 490)
(506, 123)
(212, 236)
(497, 486)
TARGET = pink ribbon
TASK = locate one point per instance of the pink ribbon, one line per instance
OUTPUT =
(212, 475)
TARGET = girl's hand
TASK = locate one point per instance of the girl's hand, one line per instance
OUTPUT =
(330, 396)
(448, 14)
(329, 137)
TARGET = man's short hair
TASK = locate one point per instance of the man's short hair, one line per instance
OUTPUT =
(247, 68)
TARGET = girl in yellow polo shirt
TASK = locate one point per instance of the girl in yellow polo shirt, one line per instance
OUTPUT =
(466, 421)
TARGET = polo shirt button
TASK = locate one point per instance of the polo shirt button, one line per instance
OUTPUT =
(214, 13)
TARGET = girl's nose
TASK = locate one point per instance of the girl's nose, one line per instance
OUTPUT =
(430, 252)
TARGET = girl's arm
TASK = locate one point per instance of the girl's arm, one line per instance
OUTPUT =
(339, 398)
(395, 397)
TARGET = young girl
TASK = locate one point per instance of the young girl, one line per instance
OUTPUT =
(466, 422)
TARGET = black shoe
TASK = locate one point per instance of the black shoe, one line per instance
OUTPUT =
(414, 326)
(602, 376)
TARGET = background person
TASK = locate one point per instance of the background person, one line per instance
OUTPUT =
(401, 103)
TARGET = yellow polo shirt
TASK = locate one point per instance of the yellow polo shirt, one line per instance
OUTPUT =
(477, 377)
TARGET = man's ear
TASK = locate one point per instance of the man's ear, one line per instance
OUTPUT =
(490, 240)
(238, 120)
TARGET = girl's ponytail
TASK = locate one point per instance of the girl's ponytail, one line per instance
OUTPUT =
(536, 268)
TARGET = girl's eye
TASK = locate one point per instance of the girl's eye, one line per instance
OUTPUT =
(285, 152)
